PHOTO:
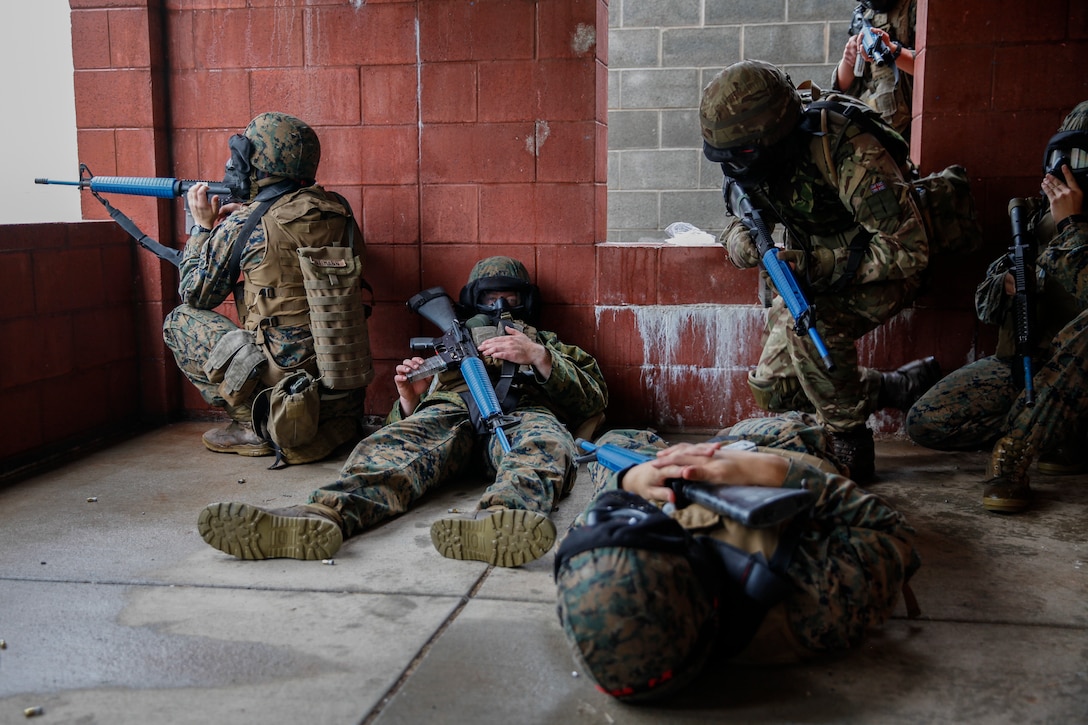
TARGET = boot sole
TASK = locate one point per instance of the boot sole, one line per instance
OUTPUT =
(248, 532)
(505, 538)
(1004, 505)
(254, 451)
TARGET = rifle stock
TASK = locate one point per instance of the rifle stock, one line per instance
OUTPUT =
(782, 276)
(753, 506)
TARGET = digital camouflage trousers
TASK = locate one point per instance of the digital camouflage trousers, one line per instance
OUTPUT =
(970, 408)
(400, 462)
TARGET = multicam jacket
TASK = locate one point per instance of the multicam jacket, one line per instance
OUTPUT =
(841, 185)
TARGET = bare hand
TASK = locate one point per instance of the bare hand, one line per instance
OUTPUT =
(519, 348)
(1066, 199)
(410, 392)
(205, 211)
(885, 39)
(1009, 284)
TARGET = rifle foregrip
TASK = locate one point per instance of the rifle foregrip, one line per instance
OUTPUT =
(483, 392)
(786, 284)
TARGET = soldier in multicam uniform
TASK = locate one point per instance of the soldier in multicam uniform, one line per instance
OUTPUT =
(861, 250)
(887, 87)
(646, 599)
(430, 438)
(982, 404)
(273, 165)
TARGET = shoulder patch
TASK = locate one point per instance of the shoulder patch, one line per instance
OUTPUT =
(881, 201)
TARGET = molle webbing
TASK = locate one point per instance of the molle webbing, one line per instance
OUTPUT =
(337, 318)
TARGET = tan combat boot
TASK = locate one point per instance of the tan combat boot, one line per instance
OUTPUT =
(497, 535)
(309, 532)
(236, 437)
(1007, 490)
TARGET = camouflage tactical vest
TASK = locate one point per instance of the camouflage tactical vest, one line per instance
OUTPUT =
(307, 230)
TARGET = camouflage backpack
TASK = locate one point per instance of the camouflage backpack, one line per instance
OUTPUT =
(944, 198)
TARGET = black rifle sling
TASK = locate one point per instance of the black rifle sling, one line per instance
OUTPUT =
(266, 198)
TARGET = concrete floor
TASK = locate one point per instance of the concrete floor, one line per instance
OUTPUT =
(113, 610)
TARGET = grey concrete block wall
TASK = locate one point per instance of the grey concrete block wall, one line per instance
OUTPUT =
(661, 54)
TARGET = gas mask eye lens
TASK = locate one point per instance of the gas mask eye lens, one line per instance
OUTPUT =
(1078, 159)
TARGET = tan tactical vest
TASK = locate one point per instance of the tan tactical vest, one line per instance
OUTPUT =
(310, 277)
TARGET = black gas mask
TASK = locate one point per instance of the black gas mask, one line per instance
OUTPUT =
(237, 175)
(752, 163)
(1069, 148)
(474, 293)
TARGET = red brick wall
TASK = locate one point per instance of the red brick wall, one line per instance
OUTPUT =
(68, 319)
(456, 129)
(461, 129)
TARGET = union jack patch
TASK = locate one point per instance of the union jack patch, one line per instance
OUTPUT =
(877, 186)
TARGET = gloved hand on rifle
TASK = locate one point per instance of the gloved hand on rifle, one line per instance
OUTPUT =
(739, 245)
(743, 253)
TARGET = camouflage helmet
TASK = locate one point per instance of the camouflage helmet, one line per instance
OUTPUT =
(284, 146)
(749, 103)
(637, 598)
(638, 622)
(1077, 120)
(506, 274)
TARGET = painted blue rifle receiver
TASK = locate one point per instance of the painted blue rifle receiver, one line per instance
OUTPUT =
(782, 276)
(455, 349)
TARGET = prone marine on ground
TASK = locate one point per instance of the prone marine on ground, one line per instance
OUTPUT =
(293, 375)
(646, 598)
(855, 237)
(435, 433)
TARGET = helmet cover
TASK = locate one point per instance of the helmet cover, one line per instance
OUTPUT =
(633, 599)
(750, 103)
(495, 274)
(284, 146)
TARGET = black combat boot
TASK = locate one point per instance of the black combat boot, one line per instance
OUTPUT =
(309, 532)
(855, 449)
(1007, 490)
(901, 388)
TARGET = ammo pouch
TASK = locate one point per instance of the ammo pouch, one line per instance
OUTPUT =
(337, 318)
(288, 412)
(235, 363)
